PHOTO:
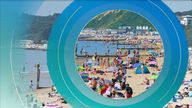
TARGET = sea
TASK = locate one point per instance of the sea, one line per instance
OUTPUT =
(25, 63)
(100, 47)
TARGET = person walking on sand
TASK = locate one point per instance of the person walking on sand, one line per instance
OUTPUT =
(31, 85)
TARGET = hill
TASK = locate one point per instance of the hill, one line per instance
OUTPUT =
(188, 31)
(184, 13)
(37, 28)
(117, 18)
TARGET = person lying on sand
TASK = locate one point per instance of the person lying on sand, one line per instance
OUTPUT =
(116, 94)
(146, 82)
(179, 96)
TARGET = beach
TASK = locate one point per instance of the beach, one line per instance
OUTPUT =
(42, 94)
(135, 80)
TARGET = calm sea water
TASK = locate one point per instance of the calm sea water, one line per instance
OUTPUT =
(25, 63)
(32, 57)
(99, 47)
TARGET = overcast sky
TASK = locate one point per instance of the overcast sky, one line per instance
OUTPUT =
(53, 6)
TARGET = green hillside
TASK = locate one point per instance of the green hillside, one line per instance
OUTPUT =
(37, 28)
(184, 13)
(115, 19)
(188, 31)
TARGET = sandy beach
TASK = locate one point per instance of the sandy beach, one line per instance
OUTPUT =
(42, 94)
(134, 80)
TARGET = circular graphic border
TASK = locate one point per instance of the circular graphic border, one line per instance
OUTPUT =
(62, 41)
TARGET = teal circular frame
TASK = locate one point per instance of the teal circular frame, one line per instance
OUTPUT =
(61, 54)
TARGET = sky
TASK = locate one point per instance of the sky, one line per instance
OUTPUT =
(179, 5)
(50, 7)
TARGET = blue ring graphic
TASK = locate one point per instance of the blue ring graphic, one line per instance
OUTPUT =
(61, 54)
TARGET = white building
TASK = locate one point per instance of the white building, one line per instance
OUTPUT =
(25, 43)
(186, 20)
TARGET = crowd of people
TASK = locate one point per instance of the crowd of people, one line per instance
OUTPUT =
(124, 59)
(183, 98)
(117, 86)
(114, 88)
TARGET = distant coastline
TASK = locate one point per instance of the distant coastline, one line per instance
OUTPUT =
(38, 28)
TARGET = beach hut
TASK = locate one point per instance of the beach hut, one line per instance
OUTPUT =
(139, 70)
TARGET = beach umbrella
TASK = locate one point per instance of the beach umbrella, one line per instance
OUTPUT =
(136, 65)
